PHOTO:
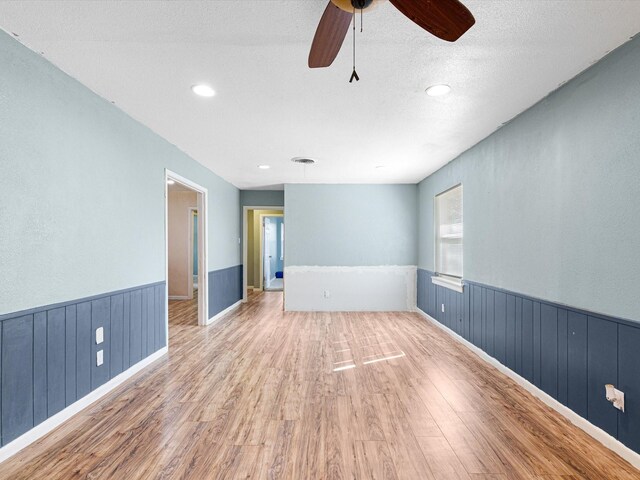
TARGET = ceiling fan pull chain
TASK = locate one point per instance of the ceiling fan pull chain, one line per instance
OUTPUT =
(361, 19)
(354, 75)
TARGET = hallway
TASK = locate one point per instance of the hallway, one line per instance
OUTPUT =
(268, 394)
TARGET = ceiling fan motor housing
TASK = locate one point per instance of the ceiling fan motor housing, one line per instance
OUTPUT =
(361, 4)
(349, 5)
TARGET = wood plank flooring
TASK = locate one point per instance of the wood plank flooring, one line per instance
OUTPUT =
(271, 395)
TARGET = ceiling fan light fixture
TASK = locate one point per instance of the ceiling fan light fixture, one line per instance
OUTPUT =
(438, 90)
(203, 90)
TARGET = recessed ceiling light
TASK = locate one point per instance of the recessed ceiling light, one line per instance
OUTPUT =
(170, 182)
(203, 90)
(378, 167)
(264, 167)
(438, 90)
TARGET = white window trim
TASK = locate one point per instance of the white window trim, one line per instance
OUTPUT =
(451, 283)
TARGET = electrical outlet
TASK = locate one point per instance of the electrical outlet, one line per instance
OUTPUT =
(99, 357)
(443, 308)
(327, 294)
(99, 335)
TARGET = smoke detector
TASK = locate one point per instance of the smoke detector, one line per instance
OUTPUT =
(303, 160)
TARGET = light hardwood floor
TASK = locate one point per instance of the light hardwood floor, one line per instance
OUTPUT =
(267, 394)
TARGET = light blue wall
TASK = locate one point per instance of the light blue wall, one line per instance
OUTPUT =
(82, 190)
(550, 200)
(261, 198)
(350, 225)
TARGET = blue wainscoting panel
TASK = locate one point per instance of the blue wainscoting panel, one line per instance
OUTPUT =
(549, 349)
(510, 329)
(48, 354)
(39, 367)
(628, 373)
(577, 363)
(527, 339)
(56, 360)
(500, 327)
(83, 349)
(568, 353)
(70, 355)
(100, 317)
(17, 377)
(602, 368)
(562, 356)
(225, 289)
(117, 334)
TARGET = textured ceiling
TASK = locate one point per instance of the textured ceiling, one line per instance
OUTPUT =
(269, 107)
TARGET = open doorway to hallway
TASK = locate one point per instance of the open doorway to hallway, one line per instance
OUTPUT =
(263, 249)
(186, 251)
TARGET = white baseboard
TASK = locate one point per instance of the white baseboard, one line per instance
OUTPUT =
(179, 297)
(596, 432)
(218, 316)
(383, 288)
(49, 424)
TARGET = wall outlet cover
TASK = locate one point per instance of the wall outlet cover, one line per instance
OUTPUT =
(99, 335)
(99, 357)
(443, 308)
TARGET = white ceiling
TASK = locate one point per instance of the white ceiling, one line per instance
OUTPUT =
(270, 106)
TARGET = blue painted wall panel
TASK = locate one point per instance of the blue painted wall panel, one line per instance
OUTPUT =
(500, 327)
(628, 375)
(577, 363)
(117, 335)
(467, 314)
(518, 340)
(70, 355)
(144, 324)
(562, 356)
(476, 315)
(510, 339)
(56, 360)
(225, 289)
(151, 319)
(83, 349)
(100, 317)
(48, 354)
(549, 349)
(39, 367)
(161, 317)
(17, 377)
(126, 330)
(527, 339)
(572, 354)
(135, 331)
(536, 344)
(602, 368)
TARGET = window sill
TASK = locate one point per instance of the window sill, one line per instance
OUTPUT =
(450, 283)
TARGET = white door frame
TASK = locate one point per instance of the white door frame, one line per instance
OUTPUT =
(203, 245)
(245, 210)
(262, 216)
(190, 267)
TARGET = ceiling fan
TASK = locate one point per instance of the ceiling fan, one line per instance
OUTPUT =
(446, 19)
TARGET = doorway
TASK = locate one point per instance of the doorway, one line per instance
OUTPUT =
(253, 248)
(272, 252)
(186, 251)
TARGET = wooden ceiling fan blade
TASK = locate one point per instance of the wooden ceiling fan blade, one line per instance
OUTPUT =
(329, 36)
(446, 19)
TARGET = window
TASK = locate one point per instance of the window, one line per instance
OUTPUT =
(449, 232)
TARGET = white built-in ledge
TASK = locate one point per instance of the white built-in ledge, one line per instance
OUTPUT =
(448, 282)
